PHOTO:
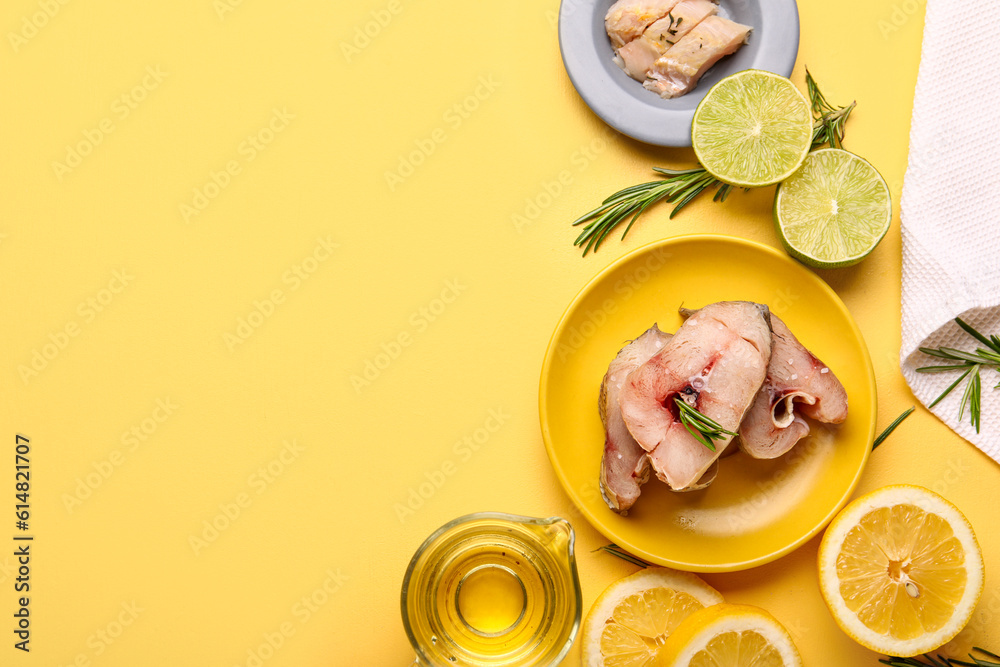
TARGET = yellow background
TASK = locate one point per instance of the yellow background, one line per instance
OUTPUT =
(166, 332)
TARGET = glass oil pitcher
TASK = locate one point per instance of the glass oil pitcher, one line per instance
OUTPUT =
(491, 589)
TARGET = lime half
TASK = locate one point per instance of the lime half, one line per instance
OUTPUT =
(752, 129)
(834, 210)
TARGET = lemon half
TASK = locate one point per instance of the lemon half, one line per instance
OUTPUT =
(733, 635)
(901, 570)
(630, 621)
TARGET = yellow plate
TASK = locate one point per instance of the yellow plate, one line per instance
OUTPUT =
(755, 511)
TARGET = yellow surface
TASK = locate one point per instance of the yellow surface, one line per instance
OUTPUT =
(442, 284)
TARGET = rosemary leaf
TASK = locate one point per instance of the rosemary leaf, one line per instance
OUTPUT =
(961, 355)
(941, 369)
(618, 552)
(990, 356)
(917, 662)
(950, 387)
(704, 429)
(892, 427)
(988, 654)
(972, 398)
(696, 434)
(941, 661)
(935, 352)
(990, 343)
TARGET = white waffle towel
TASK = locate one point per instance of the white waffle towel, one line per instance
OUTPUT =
(950, 207)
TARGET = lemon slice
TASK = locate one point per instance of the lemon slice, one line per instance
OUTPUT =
(900, 570)
(834, 210)
(629, 622)
(752, 129)
(733, 635)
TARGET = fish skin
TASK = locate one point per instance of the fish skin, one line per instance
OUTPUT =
(628, 19)
(624, 464)
(724, 349)
(705, 480)
(774, 423)
(677, 71)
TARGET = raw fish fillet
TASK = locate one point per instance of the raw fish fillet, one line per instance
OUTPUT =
(796, 383)
(677, 71)
(624, 466)
(716, 361)
(627, 19)
(638, 56)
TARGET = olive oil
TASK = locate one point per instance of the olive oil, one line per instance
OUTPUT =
(491, 599)
(493, 590)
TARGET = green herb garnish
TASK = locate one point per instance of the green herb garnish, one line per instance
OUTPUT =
(940, 661)
(674, 24)
(618, 552)
(704, 429)
(891, 427)
(681, 186)
(830, 120)
(970, 363)
(678, 185)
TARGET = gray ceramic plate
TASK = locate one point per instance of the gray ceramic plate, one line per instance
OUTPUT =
(626, 106)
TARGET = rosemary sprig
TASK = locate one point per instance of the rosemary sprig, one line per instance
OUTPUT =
(678, 185)
(704, 429)
(971, 363)
(681, 186)
(891, 427)
(830, 120)
(940, 661)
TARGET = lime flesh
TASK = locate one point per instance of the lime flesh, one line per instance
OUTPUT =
(752, 129)
(833, 211)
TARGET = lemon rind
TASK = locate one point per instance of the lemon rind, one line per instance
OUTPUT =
(740, 618)
(652, 577)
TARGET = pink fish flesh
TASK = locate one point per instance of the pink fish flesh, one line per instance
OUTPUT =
(797, 383)
(716, 361)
